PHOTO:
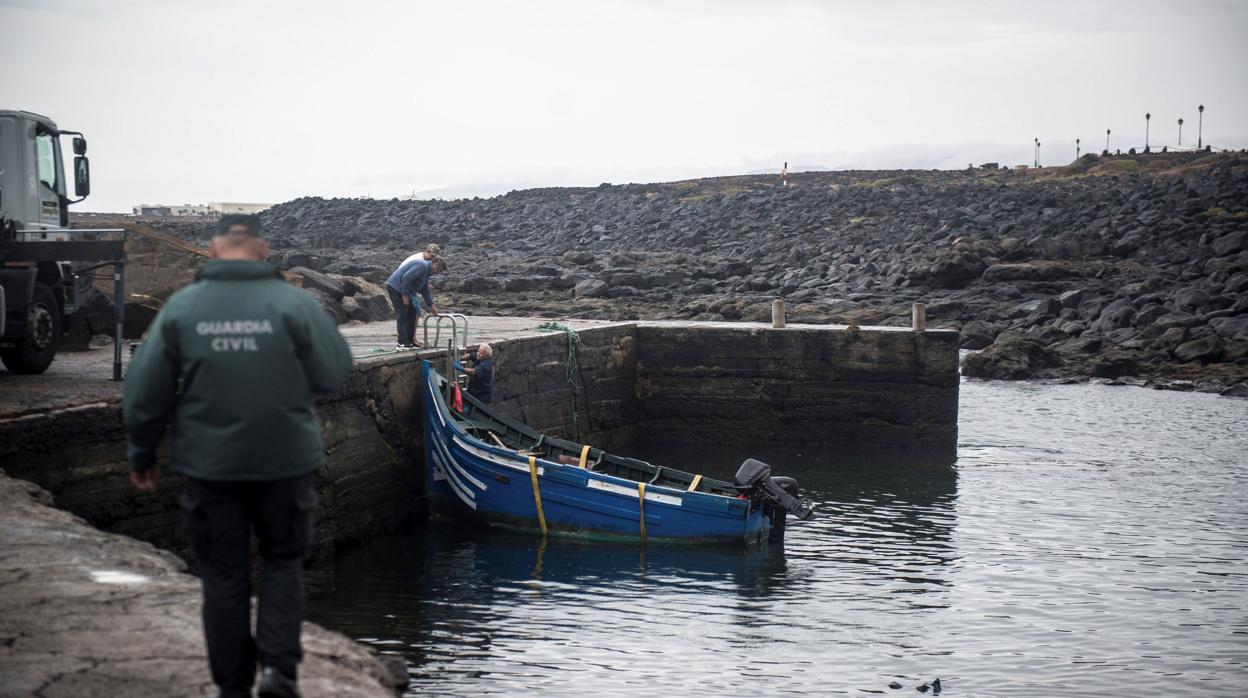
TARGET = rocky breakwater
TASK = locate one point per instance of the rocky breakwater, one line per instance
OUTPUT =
(1127, 268)
(162, 257)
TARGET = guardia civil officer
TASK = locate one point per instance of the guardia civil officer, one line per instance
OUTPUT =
(233, 361)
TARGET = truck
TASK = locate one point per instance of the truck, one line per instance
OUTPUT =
(41, 257)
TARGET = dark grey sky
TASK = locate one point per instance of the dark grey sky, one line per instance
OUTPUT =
(268, 100)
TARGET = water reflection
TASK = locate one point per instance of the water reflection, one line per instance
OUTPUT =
(1089, 540)
(895, 520)
(463, 597)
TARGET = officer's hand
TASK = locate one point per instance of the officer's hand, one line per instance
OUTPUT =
(145, 480)
(406, 301)
(433, 310)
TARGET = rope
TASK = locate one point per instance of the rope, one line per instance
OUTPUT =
(641, 508)
(374, 351)
(537, 494)
(573, 366)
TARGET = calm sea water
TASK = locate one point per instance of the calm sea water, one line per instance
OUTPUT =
(1090, 541)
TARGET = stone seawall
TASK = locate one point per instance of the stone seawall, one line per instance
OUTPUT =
(874, 390)
(594, 403)
(882, 391)
(368, 482)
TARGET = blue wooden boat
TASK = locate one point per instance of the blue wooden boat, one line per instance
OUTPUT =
(510, 475)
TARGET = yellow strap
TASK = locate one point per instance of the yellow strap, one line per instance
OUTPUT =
(697, 479)
(537, 493)
(641, 508)
(584, 454)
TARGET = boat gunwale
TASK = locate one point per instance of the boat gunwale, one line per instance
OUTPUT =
(521, 461)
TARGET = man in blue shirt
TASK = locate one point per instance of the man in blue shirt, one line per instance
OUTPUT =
(409, 280)
(480, 375)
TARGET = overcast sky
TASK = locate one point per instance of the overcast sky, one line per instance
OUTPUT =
(267, 100)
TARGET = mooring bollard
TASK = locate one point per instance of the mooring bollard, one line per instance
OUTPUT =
(918, 317)
(777, 313)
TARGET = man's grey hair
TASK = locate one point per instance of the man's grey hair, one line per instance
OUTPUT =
(486, 349)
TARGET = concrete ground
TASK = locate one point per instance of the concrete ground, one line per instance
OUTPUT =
(85, 377)
(87, 613)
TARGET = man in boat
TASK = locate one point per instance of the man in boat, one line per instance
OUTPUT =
(409, 280)
(233, 361)
(480, 374)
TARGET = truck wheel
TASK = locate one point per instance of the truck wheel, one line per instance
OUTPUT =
(35, 350)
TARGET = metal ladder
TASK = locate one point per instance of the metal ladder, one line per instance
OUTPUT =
(459, 329)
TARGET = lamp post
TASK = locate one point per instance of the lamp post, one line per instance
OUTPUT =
(1107, 141)
(1147, 118)
(1200, 127)
(1036, 154)
(1180, 130)
(1076, 148)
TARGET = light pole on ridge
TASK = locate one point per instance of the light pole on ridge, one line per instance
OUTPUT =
(1200, 127)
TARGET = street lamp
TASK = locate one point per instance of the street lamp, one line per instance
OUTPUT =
(1147, 118)
(1107, 141)
(1036, 154)
(1200, 128)
(1180, 131)
(1076, 148)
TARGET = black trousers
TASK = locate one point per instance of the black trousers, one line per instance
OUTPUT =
(219, 518)
(405, 316)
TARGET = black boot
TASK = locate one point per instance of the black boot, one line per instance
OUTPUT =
(275, 684)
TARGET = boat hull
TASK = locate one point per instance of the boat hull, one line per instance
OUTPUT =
(507, 488)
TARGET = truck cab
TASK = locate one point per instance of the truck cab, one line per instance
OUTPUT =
(38, 288)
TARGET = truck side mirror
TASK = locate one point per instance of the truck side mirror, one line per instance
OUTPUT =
(80, 145)
(82, 175)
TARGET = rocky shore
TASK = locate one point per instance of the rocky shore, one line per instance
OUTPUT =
(88, 613)
(1130, 269)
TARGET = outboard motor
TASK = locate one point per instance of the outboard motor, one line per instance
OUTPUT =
(778, 495)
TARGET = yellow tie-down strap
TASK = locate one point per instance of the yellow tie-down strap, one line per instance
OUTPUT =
(697, 480)
(537, 494)
(584, 454)
(641, 508)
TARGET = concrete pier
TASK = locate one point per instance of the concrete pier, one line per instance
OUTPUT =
(880, 392)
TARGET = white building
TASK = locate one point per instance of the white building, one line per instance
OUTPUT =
(171, 210)
(236, 207)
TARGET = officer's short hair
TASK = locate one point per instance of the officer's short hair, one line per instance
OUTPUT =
(250, 221)
(439, 262)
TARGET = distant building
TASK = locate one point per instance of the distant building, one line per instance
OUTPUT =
(990, 166)
(170, 210)
(236, 207)
(211, 209)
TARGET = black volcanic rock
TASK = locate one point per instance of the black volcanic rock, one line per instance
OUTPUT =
(1083, 261)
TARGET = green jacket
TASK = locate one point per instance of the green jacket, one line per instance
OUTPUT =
(233, 361)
